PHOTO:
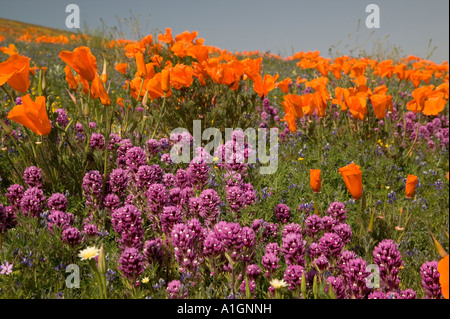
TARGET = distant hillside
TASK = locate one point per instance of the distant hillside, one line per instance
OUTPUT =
(17, 28)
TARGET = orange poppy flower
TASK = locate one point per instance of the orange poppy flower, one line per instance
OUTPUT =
(82, 61)
(154, 87)
(434, 104)
(32, 114)
(290, 120)
(253, 68)
(308, 105)
(121, 67)
(98, 91)
(73, 83)
(410, 187)
(167, 37)
(16, 72)
(443, 276)
(293, 104)
(263, 86)
(10, 50)
(284, 85)
(140, 64)
(2, 38)
(380, 104)
(199, 52)
(181, 76)
(200, 73)
(314, 180)
(357, 105)
(165, 81)
(353, 179)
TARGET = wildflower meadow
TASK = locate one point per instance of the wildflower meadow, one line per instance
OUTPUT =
(166, 168)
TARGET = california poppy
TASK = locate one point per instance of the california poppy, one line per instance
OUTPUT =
(443, 276)
(434, 104)
(82, 61)
(290, 119)
(293, 104)
(380, 104)
(263, 86)
(32, 114)
(165, 81)
(314, 180)
(98, 91)
(140, 64)
(284, 85)
(16, 72)
(73, 83)
(121, 67)
(181, 76)
(410, 187)
(353, 179)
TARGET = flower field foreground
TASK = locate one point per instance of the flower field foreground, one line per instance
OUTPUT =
(357, 207)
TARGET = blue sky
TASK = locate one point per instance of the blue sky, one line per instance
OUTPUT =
(281, 26)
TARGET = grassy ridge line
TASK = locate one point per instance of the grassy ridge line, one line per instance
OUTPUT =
(19, 27)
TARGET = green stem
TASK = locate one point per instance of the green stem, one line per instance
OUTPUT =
(163, 108)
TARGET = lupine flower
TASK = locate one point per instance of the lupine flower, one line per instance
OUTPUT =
(230, 234)
(328, 223)
(134, 158)
(176, 290)
(253, 271)
(183, 178)
(157, 197)
(282, 213)
(32, 176)
(32, 202)
(355, 275)
(114, 140)
(148, 175)
(152, 147)
(293, 248)
(389, 260)
(270, 262)
(7, 218)
(430, 279)
(338, 211)
(291, 228)
(127, 223)
(90, 230)
(154, 251)
(344, 231)
(131, 263)
(209, 210)
(331, 245)
(59, 219)
(57, 202)
(338, 285)
(234, 198)
(92, 188)
(97, 141)
(293, 276)
(14, 194)
(169, 180)
(321, 263)
(72, 236)
(111, 202)
(313, 224)
(170, 216)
